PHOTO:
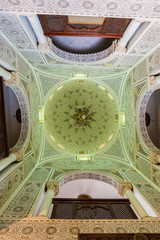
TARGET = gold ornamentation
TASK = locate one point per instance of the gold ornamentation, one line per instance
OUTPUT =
(45, 46)
(154, 157)
(53, 186)
(13, 80)
(123, 186)
(82, 117)
(19, 152)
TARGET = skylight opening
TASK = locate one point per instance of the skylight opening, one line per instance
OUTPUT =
(84, 158)
(110, 137)
(102, 146)
(80, 75)
(110, 96)
(59, 87)
(102, 88)
(122, 118)
(61, 146)
(53, 139)
(41, 118)
(51, 97)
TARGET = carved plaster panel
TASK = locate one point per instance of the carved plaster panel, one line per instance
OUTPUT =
(154, 61)
(147, 41)
(12, 27)
(10, 182)
(7, 53)
(123, 8)
(73, 57)
(38, 228)
(90, 175)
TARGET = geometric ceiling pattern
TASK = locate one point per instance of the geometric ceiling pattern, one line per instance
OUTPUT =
(123, 8)
(95, 115)
(81, 117)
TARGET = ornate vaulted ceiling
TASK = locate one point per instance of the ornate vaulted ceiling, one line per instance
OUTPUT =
(72, 116)
(81, 117)
(123, 75)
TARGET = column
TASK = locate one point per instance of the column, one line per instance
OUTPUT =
(130, 30)
(52, 190)
(44, 42)
(36, 25)
(13, 156)
(5, 74)
(125, 189)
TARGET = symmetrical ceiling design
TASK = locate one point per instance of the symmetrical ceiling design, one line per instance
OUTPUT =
(81, 117)
(45, 73)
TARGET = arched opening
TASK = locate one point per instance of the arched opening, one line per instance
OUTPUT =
(94, 188)
(82, 45)
(13, 116)
(152, 116)
(90, 199)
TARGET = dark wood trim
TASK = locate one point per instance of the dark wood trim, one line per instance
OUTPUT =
(118, 236)
(111, 35)
(59, 26)
(3, 122)
(110, 200)
(105, 204)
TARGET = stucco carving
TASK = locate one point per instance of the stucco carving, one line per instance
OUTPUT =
(19, 153)
(53, 186)
(141, 119)
(154, 157)
(123, 186)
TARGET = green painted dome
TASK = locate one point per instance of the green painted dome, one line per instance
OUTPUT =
(81, 117)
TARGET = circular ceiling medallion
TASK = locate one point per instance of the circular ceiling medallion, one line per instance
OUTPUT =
(136, 7)
(157, 8)
(88, 4)
(81, 117)
(63, 3)
(14, 2)
(39, 3)
(112, 5)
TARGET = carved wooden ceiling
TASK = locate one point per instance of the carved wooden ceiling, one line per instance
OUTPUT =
(61, 26)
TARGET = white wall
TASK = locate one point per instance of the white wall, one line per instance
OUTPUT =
(94, 188)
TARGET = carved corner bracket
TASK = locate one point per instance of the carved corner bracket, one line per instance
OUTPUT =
(54, 186)
(13, 80)
(123, 186)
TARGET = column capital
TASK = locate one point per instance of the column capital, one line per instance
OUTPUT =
(119, 49)
(139, 20)
(13, 80)
(154, 82)
(123, 186)
(45, 46)
(149, 218)
(53, 186)
(19, 153)
(154, 157)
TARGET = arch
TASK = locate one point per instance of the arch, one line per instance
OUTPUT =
(88, 187)
(23, 105)
(89, 175)
(142, 110)
(84, 58)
